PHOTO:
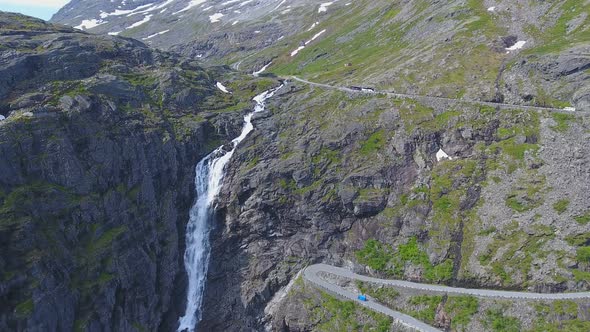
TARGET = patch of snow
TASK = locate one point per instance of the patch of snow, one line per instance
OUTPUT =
(313, 26)
(115, 33)
(155, 34)
(256, 73)
(235, 22)
(28, 114)
(315, 36)
(136, 24)
(155, 7)
(230, 2)
(215, 17)
(120, 12)
(144, 9)
(281, 37)
(246, 2)
(441, 155)
(222, 87)
(2, 117)
(569, 109)
(190, 5)
(280, 4)
(324, 7)
(294, 53)
(89, 24)
(491, 9)
(519, 44)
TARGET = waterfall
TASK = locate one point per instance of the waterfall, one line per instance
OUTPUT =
(208, 181)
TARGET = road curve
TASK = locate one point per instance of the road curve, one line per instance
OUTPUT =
(314, 269)
(311, 275)
(431, 98)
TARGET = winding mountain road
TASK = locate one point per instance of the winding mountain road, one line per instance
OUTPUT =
(311, 274)
(431, 98)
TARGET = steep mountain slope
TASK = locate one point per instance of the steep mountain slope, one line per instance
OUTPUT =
(354, 180)
(98, 149)
(362, 179)
(217, 27)
(463, 48)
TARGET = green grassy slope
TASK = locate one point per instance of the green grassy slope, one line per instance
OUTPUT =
(454, 49)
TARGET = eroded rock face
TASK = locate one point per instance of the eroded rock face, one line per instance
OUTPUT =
(311, 196)
(92, 221)
(568, 70)
(296, 194)
(98, 149)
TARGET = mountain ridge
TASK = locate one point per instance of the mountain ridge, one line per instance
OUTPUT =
(480, 50)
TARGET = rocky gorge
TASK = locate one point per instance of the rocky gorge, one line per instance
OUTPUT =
(103, 132)
(98, 153)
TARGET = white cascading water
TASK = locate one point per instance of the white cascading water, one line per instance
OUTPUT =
(208, 181)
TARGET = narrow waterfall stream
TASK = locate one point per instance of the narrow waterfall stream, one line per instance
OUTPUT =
(208, 181)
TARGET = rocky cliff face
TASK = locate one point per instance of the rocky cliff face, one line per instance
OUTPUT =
(356, 180)
(98, 149)
(442, 192)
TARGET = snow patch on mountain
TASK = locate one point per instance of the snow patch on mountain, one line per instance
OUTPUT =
(89, 24)
(191, 4)
(222, 87)
(136, 24)
(256, 73)
(155, 34)
(324, 6)
(313, 26)
(215, 17)
(315, 36)
(279, 5)
(294, 53)
(519, 44)
(442, 155)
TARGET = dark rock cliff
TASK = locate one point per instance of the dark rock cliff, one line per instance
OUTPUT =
(98, 151)
(93, 220)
